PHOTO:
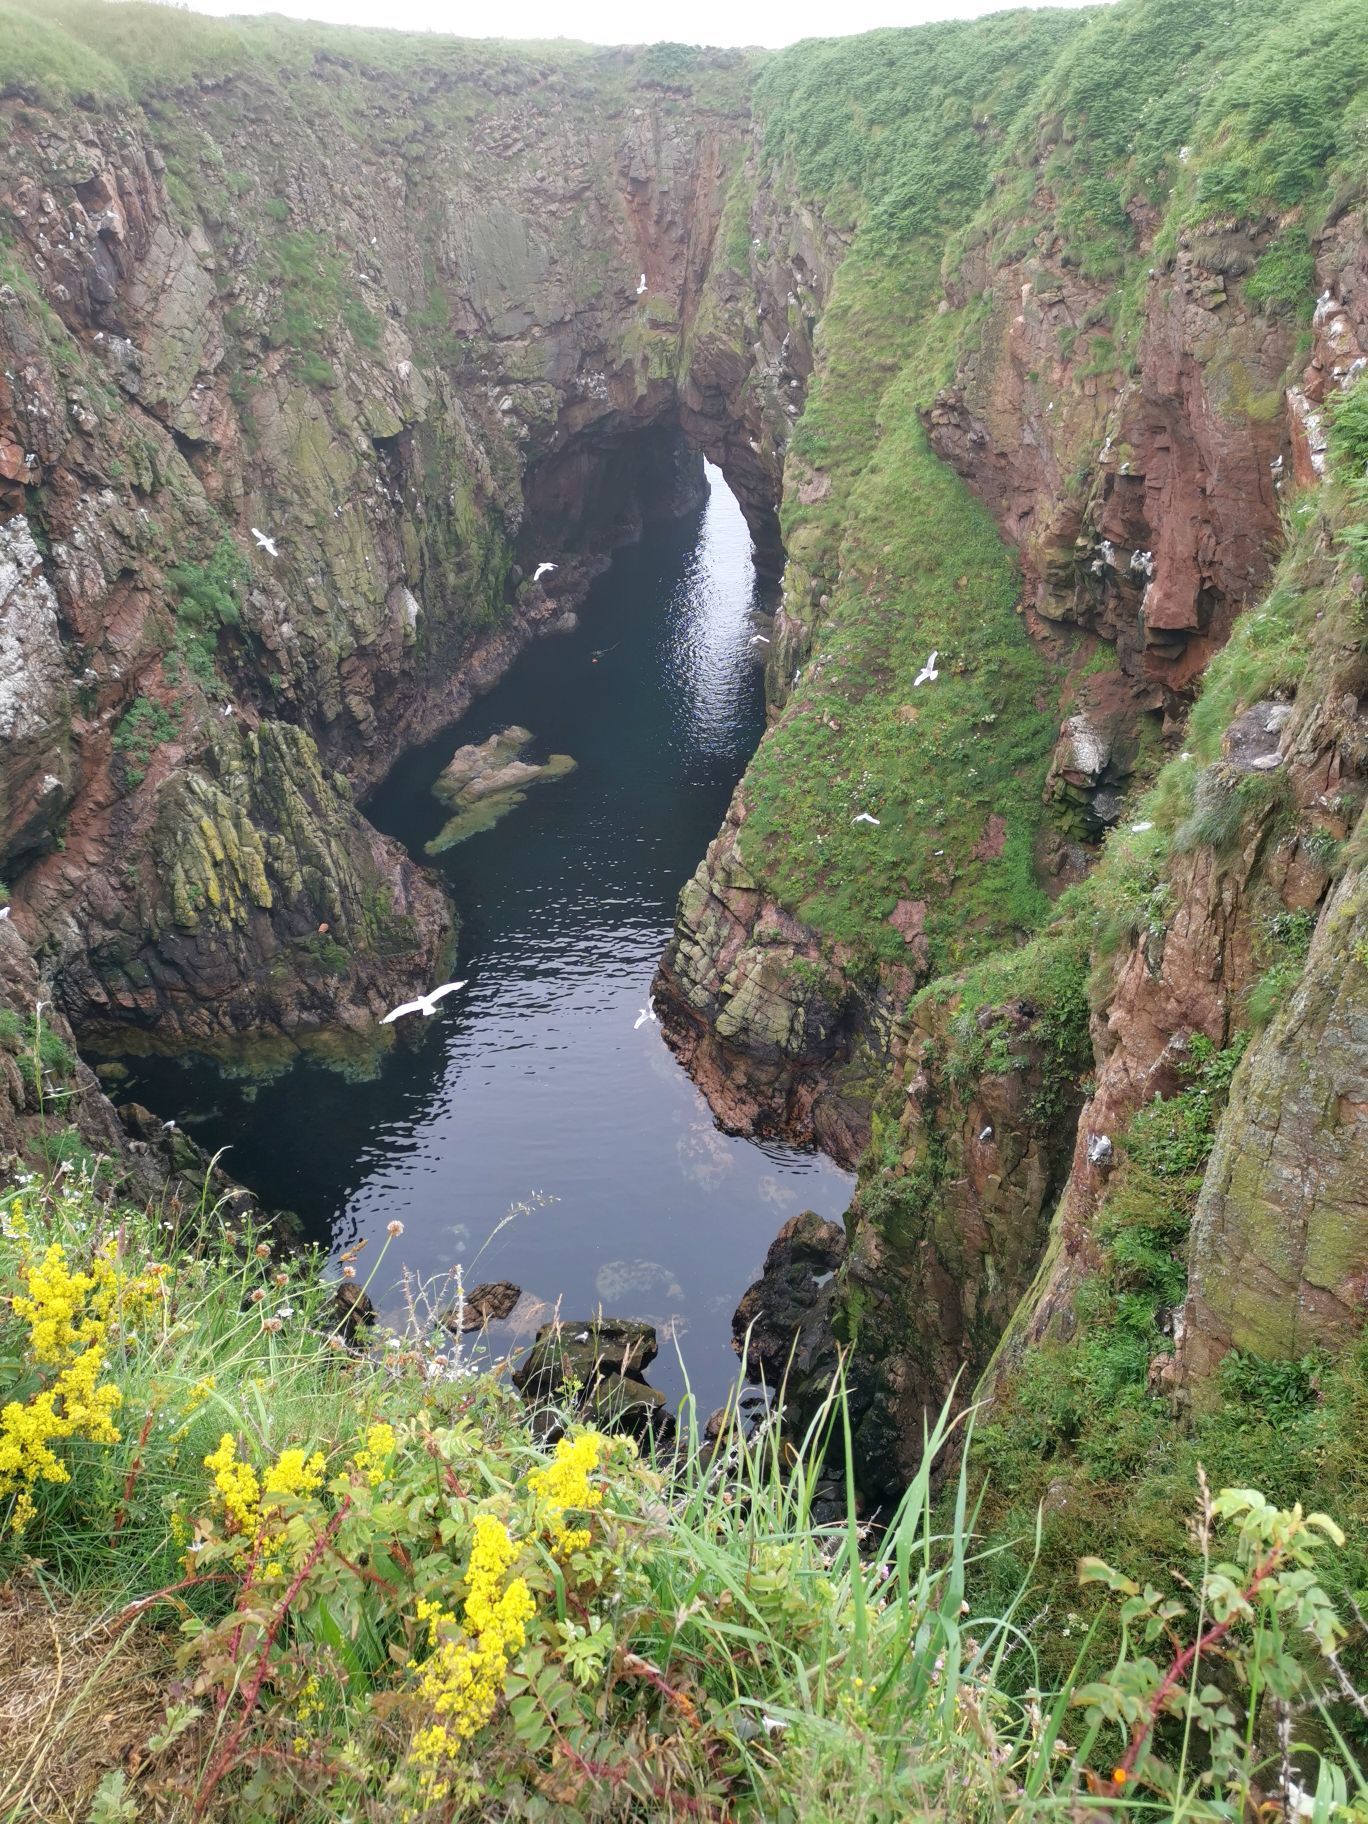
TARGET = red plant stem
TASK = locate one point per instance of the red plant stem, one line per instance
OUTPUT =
(235, 1639)
(604, 1770)
(224, 1758)
(145, 1602)
(131, 1479)
(1181, 1666)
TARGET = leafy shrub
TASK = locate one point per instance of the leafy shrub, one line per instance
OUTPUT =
(209, 595)
(1280, 1390)
(143, 728)
(1288, 939)
(208, 600)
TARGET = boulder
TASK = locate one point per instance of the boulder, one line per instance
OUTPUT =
(484, 1304)
(350, 1311)
(773, 1312)
(595, 1367)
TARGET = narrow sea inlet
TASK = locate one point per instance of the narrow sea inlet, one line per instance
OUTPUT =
(535, 1090)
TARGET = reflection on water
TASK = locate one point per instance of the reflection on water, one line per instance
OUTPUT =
(535, 1087)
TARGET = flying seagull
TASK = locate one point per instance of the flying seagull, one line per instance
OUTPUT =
(928, 673)
(541, 571)
(426, 1003)
(648, 1012)
(268, 545)
(759, 639)
(864, 817)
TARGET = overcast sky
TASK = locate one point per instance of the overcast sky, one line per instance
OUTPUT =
(770, 22)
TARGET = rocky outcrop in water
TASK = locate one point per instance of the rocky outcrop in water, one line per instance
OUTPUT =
(595, 1367)
(762, 1021)
(483, 781)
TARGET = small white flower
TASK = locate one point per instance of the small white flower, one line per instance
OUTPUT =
(285, 1311)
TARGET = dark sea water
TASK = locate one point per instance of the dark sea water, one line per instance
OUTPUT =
(533, 1090)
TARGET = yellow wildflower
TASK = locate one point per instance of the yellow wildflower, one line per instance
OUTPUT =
(65, 1311)
(462, 1677)
(563, 1485)
(236, 1483)
(292, 1474)
(373, 1458)
(254, 1505)
(67, 1315)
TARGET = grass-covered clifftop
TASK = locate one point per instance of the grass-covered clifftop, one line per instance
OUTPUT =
(254, 1571)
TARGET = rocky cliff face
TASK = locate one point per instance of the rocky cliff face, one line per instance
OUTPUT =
(1139, 422)
(304, 374)
(55, 1116)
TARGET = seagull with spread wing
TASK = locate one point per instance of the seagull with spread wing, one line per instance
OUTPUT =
(425, 1004)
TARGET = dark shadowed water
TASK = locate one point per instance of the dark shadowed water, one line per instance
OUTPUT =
(535, 1083)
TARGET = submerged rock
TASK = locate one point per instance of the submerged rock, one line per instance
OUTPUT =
(485, 1304)
(484, 780)
(596, 1366)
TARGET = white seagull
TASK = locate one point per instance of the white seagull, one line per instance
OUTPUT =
(928, 673)
(426, 1003)
(268, 545)
(541, 571)
(648, 1012)
(4, 912)
(864, 817)
(759, 639)
(642, 286)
